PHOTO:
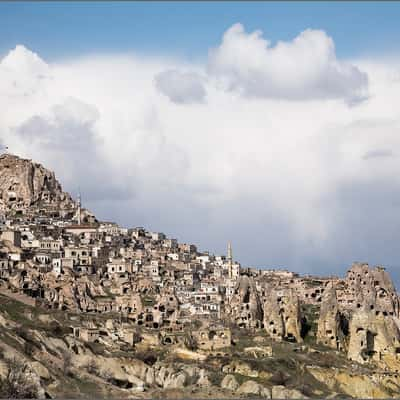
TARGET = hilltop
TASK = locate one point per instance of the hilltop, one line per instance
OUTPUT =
(89, 309)
(24, 183)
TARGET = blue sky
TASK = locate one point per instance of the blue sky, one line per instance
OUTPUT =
(189, 29)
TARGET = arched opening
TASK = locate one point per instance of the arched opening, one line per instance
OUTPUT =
(211, 335)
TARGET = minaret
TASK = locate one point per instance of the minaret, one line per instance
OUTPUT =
(79, 208)
(230, 260)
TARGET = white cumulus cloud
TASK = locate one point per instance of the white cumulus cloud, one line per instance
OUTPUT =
(304, 68)
(181, 87)
(21, 72)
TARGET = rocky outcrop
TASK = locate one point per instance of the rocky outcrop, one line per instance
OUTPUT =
(373, 336)
(254, 388)
(245, 306)
(282, 315)
(329, 323)
(24, 183)
(229, 382)
(373, 288)
(281, 392)
(362, 386)
(241, 368)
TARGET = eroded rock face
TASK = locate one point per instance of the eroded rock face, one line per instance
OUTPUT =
(241, 368)
(281, 392)
(282, 317)
(229, 382)
(24, 183)
(371, 287)
(360, 315)
(329, 323)
(368, 297)
(245, 307)
(373, 336)
(360, 386)
(254, 388)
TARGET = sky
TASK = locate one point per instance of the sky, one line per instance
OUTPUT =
(274, 126)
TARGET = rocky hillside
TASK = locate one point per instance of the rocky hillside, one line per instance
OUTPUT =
(24, 183)
(92, 310)
(40, 357)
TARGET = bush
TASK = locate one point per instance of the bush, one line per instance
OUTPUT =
(215, 377)
(191, 341)
(306, 390)
(92, 368)
(148, 357)
(106, 375)
(279, 378)
(56, 330)
(24, 333)
(66, 363)
(16, 384)
(29, 349)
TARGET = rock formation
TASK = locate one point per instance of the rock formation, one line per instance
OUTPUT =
(24, 183)
(373, 336)
(245, 306)
(329, 323)
(282, 315)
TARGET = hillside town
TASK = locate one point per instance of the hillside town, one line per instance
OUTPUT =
(135, 286)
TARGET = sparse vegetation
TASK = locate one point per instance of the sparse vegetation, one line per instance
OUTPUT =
(279, 378)
(149, 357)
(17, 384)
(67, 363)
(191, 341)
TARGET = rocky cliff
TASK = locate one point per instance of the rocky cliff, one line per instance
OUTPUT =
(24, 183)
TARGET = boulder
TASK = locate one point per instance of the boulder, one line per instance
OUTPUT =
(259, 351)
(203, 379)
(40, 370)
(251, 387)
(229, 382)
(281, 392)
(241, 368)
(175, 381)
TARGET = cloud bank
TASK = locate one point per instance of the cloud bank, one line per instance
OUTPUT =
(179, 87)
(258, 145)
(305, 68)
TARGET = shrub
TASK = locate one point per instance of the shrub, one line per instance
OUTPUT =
(191, 341)
(66, 363)
(56, 330)
(306, 390)
(149, 357)
(24, 333)
(92, 368)
(16, 384)
(29, 349)
(279, 378)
